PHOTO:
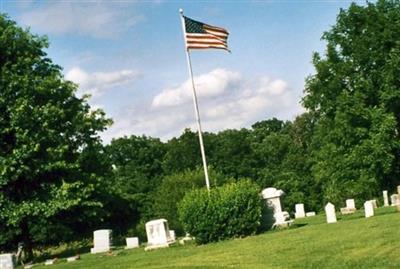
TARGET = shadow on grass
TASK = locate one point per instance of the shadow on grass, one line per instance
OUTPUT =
(298, 225)
(73, 251)
(63, 251)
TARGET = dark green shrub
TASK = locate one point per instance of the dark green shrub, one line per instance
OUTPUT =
(173, 188)
(232, 210)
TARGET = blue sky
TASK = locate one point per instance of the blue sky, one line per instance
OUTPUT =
(129, 55)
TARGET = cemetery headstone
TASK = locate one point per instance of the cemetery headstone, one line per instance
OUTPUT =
(299, 211)
(132, 242)
(310, 214)
(185, 239)
(172, 234)
(398, 190)
(385, 198)
(279, 218)
(158, 234)
(350, 207)
(73, 258)
(330, 213)
(350, 204)
(369, 209)
(374, 203)
(102, 241)
(273, 197)
(7, 261)
(394, 199)
(50, 261)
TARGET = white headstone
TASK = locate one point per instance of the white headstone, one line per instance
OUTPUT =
(330, 213)
(102, 241)
(300, 213)
(7, 261)
(350, 204)
(310, 214)
(49, 262)
(369, 209)
(374, 203)
(172, 234)
(385, 198)
(282, 219)
(398, 190)
(272, 197)
(73, 258)
(132, 242)
(158, 234)
(185, 239)
(394, 199)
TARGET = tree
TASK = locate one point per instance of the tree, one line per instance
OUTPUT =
(232, 154)
(261, 129)
(137, 162)
(282, 156)
(355, 97)
(183, 152)
(45, 132)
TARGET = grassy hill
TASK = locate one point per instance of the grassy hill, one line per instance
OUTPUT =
(354, 242)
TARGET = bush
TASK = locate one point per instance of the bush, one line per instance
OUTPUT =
(173, 188)
(232, 210)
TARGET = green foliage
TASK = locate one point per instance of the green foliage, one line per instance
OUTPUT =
(137, 162)
(183, 153)
(44, 132)
(174, 187)
(281, 156)
(232, 154)
(54, 172)
(355, 98)
(232, 210)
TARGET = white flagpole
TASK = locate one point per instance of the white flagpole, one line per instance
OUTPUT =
(196, 107)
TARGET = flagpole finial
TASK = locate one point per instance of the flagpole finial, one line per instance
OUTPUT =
(181, 11)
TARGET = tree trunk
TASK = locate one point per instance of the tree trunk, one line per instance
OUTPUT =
(27, 239)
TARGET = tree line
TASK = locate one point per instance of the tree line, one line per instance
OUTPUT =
(58, 182)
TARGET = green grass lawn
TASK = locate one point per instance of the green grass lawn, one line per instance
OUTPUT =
(354, 242)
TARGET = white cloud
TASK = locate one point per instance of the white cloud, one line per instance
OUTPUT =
(207, 85)
(226, 100)
(97, 83)
(96, 19)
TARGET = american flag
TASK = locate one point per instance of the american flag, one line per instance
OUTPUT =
(204, 36)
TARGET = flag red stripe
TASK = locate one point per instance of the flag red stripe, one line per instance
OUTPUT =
(206, 42)
(205, 36)
(206, 45)
(212, 37)
(209, 47)
(217, 32)
(215, 28)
